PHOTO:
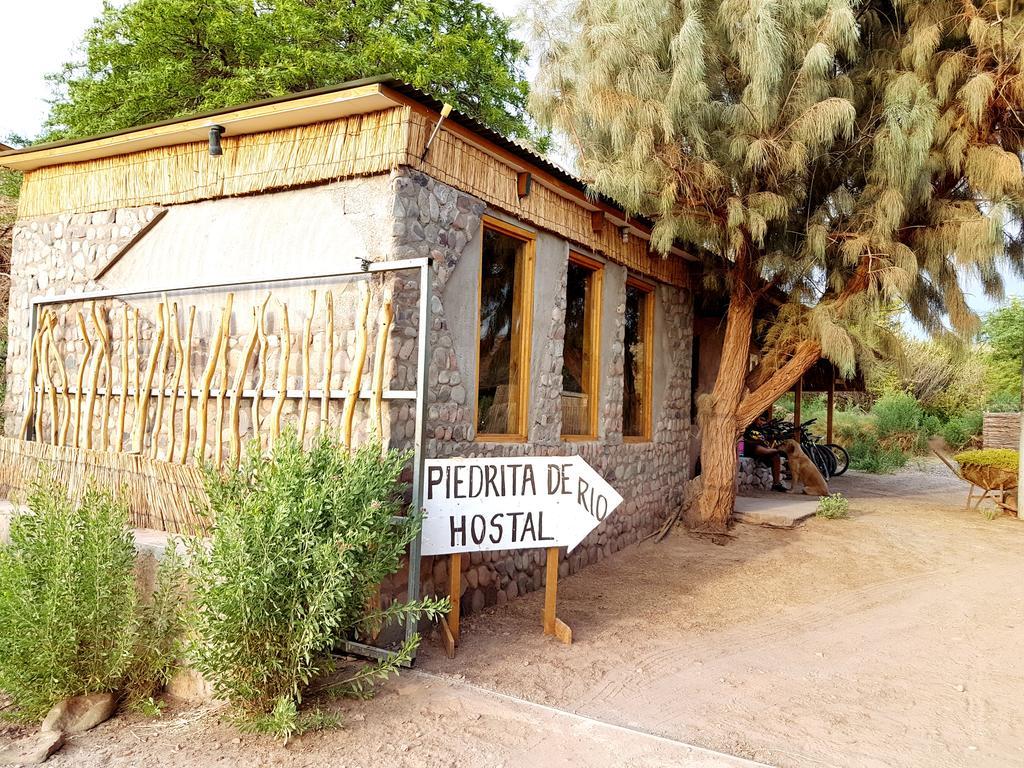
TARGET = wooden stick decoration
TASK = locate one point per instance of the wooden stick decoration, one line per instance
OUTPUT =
(135, 360)
(147, 385)
(261, 365)
(307, 340)
(237, 389)
(358, 361)
(108, 380)
(211, 366)
(45, 386)
(33, 363)
(172, 404)
(383, 335)
(94, 382)
(51, 346)
(186, 409)
(165, 351)
(81, 379)
(123, 403)
(282, 375)
(65, 420)
(325, 397)
(222, 391)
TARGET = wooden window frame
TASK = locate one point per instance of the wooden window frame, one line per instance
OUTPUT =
(593, 341)
(646, 413)
(523, 298)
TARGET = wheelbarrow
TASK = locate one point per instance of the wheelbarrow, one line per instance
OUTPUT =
(986, 482)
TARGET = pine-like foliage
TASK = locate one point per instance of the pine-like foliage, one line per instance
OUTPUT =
(846, 154)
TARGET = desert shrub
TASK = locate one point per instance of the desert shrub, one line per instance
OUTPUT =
(960, 430)
(159, 640)
(1000, 458)
(833, 507)
(301, 539)
(896, 413)
(868, 454)
(67, 599)
(1003, 402)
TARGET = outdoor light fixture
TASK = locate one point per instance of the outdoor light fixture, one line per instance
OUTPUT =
(216, 131)
(524, 184)
(624, 234)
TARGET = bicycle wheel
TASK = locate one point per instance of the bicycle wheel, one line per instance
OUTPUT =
(841, 456)
(826, 461)
(813, 452)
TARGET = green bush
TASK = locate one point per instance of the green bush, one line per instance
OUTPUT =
(67, 599)
(1003, 402)
(1001, 458)
(300, 542)
(960, 430)
(895, 414)
(833, 507)
(868, 454)
(159, 641)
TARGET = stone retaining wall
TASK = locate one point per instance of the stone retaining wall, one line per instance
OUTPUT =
(753, 476)
(1001, 430)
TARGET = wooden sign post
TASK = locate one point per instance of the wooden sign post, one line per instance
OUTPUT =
(489, 504)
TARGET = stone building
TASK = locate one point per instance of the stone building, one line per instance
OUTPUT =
(556, 330)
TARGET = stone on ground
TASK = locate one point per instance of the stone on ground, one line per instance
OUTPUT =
(782, 510)
(80, 713)
(33, 749)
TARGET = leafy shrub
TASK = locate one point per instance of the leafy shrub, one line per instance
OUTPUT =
(960, 430)
(1000, 458)
(1003, 402)
(67, 599)
(300, 542)
(896, 414)
(159, 641)
(833, 507)
(868, 454)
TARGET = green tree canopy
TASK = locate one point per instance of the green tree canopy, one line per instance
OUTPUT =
(1002, 332)
(152, 60)
(845, 153)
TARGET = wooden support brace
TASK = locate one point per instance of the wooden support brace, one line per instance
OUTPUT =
(450, 626)
(552, 624)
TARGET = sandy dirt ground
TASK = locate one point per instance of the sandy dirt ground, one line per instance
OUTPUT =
(893, 638)
(890, 639)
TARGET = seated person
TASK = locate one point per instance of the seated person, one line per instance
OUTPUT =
(755, 446)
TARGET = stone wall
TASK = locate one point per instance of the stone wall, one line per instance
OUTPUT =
(53, 255)
(410, 215)
(753, 476)
(435, 220)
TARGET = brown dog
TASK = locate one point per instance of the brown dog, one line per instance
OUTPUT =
(803, 470)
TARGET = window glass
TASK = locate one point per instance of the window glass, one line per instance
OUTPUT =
(579, 359)
(637, 365)
(501, 380)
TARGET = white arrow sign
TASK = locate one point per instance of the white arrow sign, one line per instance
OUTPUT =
(475, 505)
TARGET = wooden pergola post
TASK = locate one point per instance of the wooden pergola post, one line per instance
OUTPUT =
(831, 404)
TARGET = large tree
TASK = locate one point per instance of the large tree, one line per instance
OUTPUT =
(843, 154)
(151, 60)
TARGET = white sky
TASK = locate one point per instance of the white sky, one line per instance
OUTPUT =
(42, 34)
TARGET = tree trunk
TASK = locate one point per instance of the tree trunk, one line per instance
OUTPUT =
(729, 409)
(717, 413)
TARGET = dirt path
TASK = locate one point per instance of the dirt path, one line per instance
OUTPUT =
(419, 721)
(889, 639)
